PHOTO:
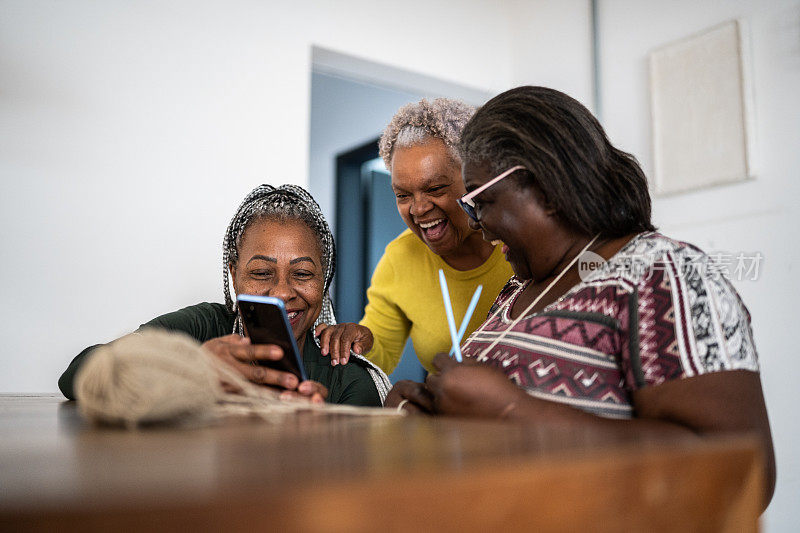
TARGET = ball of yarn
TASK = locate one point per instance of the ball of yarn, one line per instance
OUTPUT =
(147, 377)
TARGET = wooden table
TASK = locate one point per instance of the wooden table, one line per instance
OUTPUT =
(315, 472)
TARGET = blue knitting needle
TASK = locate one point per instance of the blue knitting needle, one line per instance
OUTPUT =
(456, 336)
(470, 309)
(448, 309)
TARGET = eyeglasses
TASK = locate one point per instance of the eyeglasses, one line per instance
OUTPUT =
(466, 202)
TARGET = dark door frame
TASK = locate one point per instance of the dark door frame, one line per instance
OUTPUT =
(351, 234)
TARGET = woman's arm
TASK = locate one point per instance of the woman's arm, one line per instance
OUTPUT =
(209, 324)
(384, 318)
(66, 383)
(727, 402)
(382, 333)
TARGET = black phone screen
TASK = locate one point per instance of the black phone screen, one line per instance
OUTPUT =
(266, 323)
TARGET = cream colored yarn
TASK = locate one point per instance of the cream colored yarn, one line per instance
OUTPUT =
(155, 376)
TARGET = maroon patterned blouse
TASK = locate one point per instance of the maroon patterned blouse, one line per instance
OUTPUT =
(654, 312)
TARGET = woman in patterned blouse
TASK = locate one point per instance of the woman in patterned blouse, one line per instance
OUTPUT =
(606, 323)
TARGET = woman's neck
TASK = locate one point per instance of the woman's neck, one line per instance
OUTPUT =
(604, 247)
(472, 253)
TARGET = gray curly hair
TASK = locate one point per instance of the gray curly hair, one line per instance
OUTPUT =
(286, 202)
(417, 123)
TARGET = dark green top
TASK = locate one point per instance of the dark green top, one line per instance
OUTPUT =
(348, 384)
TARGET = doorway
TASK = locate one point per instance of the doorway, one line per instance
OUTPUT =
(366, 221)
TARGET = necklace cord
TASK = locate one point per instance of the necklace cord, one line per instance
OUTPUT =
(533, 303)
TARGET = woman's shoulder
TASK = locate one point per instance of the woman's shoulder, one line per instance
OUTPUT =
(645, 253)
(696, 289)
(506, 292)
(203, 321)
(650, 263)
(356, 369)
(653, 245)
(209, 310)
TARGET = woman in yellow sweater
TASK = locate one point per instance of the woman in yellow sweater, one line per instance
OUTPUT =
(404, 299)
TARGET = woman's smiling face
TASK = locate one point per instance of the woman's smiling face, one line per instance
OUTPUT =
(426, 183)
(532, 236)
(282, 259)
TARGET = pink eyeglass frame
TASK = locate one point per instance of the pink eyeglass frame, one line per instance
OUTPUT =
(467, 198)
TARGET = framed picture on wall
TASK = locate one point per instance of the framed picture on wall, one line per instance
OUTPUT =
(700, 104)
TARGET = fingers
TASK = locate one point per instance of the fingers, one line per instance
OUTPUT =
(241, 349)
(324, 332)
(420, 396)
(356, 338)
(442, 361)
(311, 388)
(433, 383)
(308, 390)
(437, 386)
(338, 340)
(290, 394)
(358, 347)
(338, 343)
(412, 392)
(412, 408)
(335, 346)
(238, 353)
(320, 328)
(267, 376)
(245, 351)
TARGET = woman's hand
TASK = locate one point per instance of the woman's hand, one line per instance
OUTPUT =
(238, 353)
(414, 397)
(339, 339)
(310, 390)
(471, 389)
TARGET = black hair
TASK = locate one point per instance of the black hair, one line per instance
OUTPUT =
(593, 187)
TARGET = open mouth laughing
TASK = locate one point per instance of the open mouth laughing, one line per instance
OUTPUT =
(433, 230)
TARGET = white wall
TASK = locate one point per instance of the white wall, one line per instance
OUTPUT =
(129, 132)
(552, 46)
(757, 216)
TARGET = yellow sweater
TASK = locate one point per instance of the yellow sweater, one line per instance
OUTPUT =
(405, 299)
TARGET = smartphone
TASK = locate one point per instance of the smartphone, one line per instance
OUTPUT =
(266, 322)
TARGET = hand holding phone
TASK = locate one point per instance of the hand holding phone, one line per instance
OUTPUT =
(241, 354)
(266, 322)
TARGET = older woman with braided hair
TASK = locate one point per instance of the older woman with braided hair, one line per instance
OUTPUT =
(418, 147)
(608, 327)
(277, 244)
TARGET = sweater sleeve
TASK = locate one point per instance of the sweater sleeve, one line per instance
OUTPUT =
(66, 383)
(202, 322)
(389, 324)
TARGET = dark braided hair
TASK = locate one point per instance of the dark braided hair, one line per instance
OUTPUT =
(286, 202)
(593, 186)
